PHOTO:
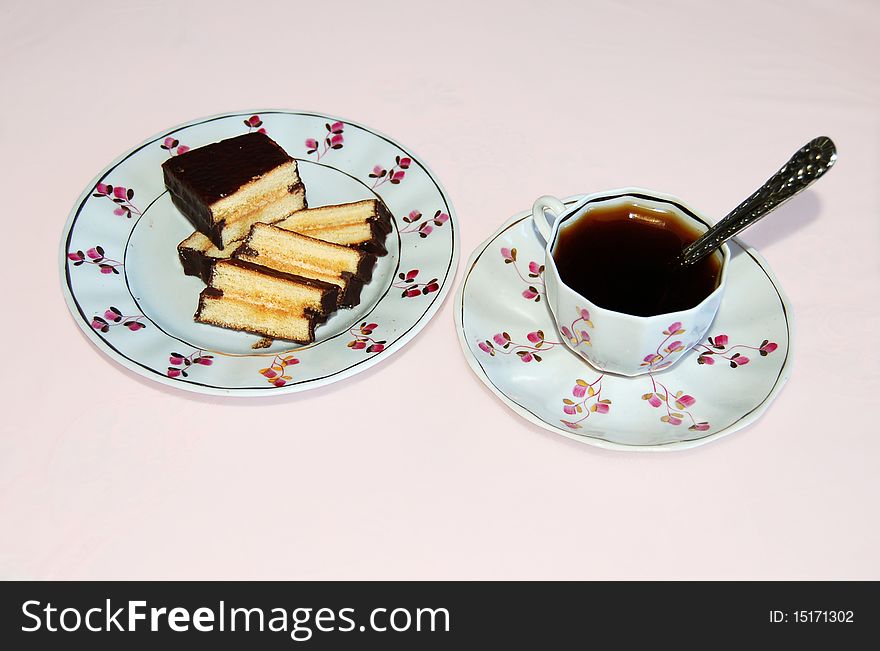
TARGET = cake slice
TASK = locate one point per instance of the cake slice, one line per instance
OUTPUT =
(302, 255)
(215, 308)
(362, 224)
(227, 181)
(274, 289)
(277, 248)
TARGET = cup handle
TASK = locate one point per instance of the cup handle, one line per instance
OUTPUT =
(539, 214)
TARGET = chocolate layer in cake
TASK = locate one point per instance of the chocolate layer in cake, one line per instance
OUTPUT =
(219, 184)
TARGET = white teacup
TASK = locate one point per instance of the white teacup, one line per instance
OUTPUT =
(613, 341)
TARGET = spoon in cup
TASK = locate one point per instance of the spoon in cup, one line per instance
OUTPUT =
(808, 164)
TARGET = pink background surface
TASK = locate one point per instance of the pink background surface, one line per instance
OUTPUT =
(106, 475)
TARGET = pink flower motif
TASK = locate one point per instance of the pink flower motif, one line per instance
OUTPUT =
(672, 420)
(654, 400)
(431, 287)
(500, 339)
(94, 254)
(337, 127)
(169, 142)
(177, 360)
(411, 274)
(414, 215)
(675, 346)
(280, 382)
(98, 325)
(529, 293)
(397, 177)
(74, 257)
(651, 358)
(534, 337)
(102, 188)
(119, 192)
(253, 121)
(358, 345)
(673, 328)
(376, 348)
(585, 314)
(426, 230)
(442, 218)
(600, 408)
(506, 254)
(534, 267)
(378, 170)
(110, 314)
(263, 130)
(526, 357)
(569, 409)
(411, 293)
(269, 373)
(699, 427)
(336, 141)
(371, 326)
(182, 149)
(769, 347)
(119, 212)
(106, 269)
(741, 360)
(311, 143)
(484, 347)
(566, 332)
(585, 336)
(173, 372)
(685, 401)
(579, 391)
(205, 361)
(706, 359)
(720, 341)
(405, 163)
(134, 326)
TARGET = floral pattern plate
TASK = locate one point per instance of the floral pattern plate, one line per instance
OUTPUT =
(510, 340)
(126, 289)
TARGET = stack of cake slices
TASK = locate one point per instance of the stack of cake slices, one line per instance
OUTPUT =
(273, 267)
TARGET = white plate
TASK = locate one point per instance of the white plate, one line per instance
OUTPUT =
(511, 342)
(127, 291)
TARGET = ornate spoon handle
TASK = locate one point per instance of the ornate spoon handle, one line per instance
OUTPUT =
(809, 163)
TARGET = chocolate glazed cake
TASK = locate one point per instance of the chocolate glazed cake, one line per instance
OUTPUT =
(290, 252)
(266, 302)
(225, 187)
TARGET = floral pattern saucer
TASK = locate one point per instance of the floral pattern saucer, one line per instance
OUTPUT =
(510, 340)
(127, 291)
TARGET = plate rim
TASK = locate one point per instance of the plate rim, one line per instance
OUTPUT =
(745, 421)
(249, 392)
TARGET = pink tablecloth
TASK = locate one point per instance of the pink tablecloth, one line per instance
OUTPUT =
(104, 474)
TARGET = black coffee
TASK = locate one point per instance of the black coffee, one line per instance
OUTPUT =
(620, 258)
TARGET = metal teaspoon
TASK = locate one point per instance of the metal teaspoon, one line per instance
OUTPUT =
(808, 163)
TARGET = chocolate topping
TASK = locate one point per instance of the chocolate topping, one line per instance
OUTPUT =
(217, 170)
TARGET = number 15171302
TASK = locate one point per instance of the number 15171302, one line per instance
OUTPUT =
(811, 616)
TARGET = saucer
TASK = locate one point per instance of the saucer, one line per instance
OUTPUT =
(126, 289)
(722, 385)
